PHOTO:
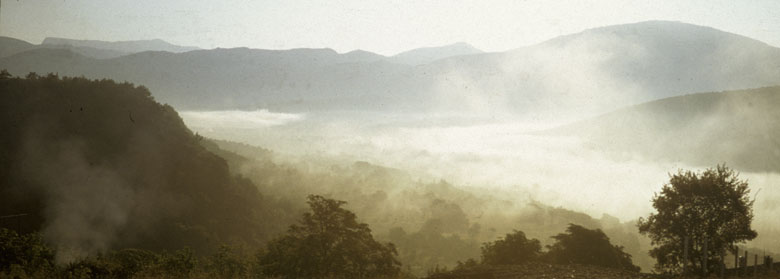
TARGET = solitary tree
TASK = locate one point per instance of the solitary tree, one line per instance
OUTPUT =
(585, 246)
(328, 243)
(710, 208)
(515, 248)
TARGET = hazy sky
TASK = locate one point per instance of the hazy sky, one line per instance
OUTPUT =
(384, 26)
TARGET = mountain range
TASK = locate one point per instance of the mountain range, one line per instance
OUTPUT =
(126, 47)
(90, 48)
(582, 74)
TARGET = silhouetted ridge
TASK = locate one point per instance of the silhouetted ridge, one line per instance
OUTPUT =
(99, 165)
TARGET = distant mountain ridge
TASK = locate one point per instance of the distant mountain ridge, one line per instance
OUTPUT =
(120, 46)
(90, 48)
(414, 57)
(569, 77)
(10, 46)
(427, 55)
(602, 69)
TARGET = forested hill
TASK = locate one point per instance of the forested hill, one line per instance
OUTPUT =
(100, 165)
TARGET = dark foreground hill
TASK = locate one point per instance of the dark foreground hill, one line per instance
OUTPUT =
(100, 165)
(739, 128)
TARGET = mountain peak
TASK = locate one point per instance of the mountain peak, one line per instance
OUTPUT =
(463, 45)
(656, 26)
(360, 55)
(678, 38)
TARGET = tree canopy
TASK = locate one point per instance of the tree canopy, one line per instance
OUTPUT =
(329, 242)
(712, 206)
(515, 248)
(585, 246)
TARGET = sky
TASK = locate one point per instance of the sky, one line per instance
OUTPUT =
(383, 26)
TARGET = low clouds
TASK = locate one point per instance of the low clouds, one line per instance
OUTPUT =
(238, 119)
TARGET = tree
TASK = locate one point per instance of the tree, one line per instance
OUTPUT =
(515, 248)
(24, 255)
(228, 263)
(4, 74)
(592, 247)
(328, 243)
(711, 206)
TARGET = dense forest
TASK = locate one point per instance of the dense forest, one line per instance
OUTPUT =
(432, 223)
(98, 165)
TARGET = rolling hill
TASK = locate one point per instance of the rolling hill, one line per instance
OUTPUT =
(739, 128)
(11, 46)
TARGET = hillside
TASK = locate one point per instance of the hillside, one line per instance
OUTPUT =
(739, 128)
(583, 74)
(100, 165)
(11, 46)
(431, 223)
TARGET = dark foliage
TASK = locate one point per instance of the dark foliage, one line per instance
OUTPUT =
(714, 204)
(540, 270)
(515, 248)
(228, 263)
(579, 245)
(27, 256)
(468, 264)
(100, 165)
(24, 255)
(328, 243)
(424, 250)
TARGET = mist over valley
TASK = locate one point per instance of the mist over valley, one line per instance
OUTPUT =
(144, 158)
